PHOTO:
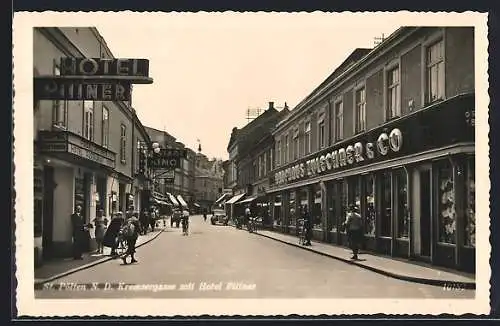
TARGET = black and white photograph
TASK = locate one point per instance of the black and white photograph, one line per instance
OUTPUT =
(323, 163)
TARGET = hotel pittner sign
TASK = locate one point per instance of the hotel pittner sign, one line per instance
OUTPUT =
(93, 79)
(445, 124)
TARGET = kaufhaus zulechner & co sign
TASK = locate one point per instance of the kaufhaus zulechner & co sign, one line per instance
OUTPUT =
(357, 153)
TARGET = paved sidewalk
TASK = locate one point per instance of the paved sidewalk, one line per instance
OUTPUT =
(389, 266)
(55, 269)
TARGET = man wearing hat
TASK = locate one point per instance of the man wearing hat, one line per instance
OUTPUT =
(354, 227)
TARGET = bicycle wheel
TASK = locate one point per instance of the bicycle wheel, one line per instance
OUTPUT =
(122, 247)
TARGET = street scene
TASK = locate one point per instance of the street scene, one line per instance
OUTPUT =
(201, 167)
(202, 266)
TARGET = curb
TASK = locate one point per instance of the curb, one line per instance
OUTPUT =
(434, 282)
(94, 263)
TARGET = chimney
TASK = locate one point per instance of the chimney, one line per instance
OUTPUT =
(286, 107)
(271, 105)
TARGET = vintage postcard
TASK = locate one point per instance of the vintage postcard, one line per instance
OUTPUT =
(322, 163)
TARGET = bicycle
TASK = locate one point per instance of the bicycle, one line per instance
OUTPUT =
(122, 246)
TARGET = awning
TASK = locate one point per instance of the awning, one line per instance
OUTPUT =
(172, 199)
(196, 204)
(234, 199)
(182, 201)
(160, 202)
(248, 200)
(221, 198)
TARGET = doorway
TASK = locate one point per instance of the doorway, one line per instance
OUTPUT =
(48, 211)
(425, 213)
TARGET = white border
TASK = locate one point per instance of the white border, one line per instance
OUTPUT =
(23, 160)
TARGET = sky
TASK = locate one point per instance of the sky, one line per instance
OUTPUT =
(208, 69)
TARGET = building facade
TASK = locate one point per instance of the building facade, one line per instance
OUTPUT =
(208, 182)
(85, 152)
(392, 134)
(250, 150)
(183, 182)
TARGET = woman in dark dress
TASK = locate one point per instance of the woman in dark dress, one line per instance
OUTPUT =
(112, 232)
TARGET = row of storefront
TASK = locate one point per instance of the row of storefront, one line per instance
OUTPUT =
(415, 193)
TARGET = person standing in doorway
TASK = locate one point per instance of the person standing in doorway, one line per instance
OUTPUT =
(354, 229)
(100, 223)
(78, 229)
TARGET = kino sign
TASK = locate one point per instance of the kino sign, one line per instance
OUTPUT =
(94, 79)
(343, 157)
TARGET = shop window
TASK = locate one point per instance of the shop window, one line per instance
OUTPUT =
(343, 202)
(470, 205)
(435, 72)
(293, 213)
(332, 207)
(277, 210)
(402, 203)
(386, 207)
(354, 192)
(88, 120)
(307, 138)
(317, 220)
(393, 94)
(360, 112)
(446, 204)
(369, 181)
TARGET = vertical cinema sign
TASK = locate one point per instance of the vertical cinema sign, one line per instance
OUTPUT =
(95, 79)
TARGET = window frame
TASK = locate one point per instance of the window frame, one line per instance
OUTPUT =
(123, 143)
(440, 63)
(321, 133)
(390, 112)
(307, 137)
(105, 127)
(56, 105)
(287, 149)
(296, 144)
(339, 117)
(89, 129)
(278, 156)
(358, 128)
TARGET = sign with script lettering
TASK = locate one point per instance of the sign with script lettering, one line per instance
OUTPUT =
(63, 142)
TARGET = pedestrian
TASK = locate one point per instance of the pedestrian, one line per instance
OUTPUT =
(354, 228)
(131, 233)
(307, 225)
(143, 219)
(152, 219)
(111, 235)
(78, 232)
(100, 223)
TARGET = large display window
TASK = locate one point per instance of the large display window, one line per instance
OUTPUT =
(446, 203)
(401, 189)
(370, 212)
(385, 204)
(470, 203)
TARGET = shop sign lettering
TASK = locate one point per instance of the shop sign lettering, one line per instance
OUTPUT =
(85, 153)
(343, 157)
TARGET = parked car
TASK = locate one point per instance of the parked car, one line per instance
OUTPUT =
(219, 217)
(176, 218)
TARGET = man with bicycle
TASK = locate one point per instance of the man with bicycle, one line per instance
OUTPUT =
(130, 232)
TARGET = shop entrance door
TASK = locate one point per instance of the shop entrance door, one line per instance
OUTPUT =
(425, 213)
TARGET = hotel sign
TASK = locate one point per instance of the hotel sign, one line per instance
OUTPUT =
(61, 142)
(343, 157)
(93, 79)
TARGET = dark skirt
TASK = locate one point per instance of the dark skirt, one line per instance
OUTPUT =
(109, 239)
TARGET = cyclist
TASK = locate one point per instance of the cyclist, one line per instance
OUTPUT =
(185, 222)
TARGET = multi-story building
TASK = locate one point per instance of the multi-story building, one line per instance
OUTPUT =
(391, 133)
(209, 181)
(182, 188)
(248, 158)
(86, 152)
